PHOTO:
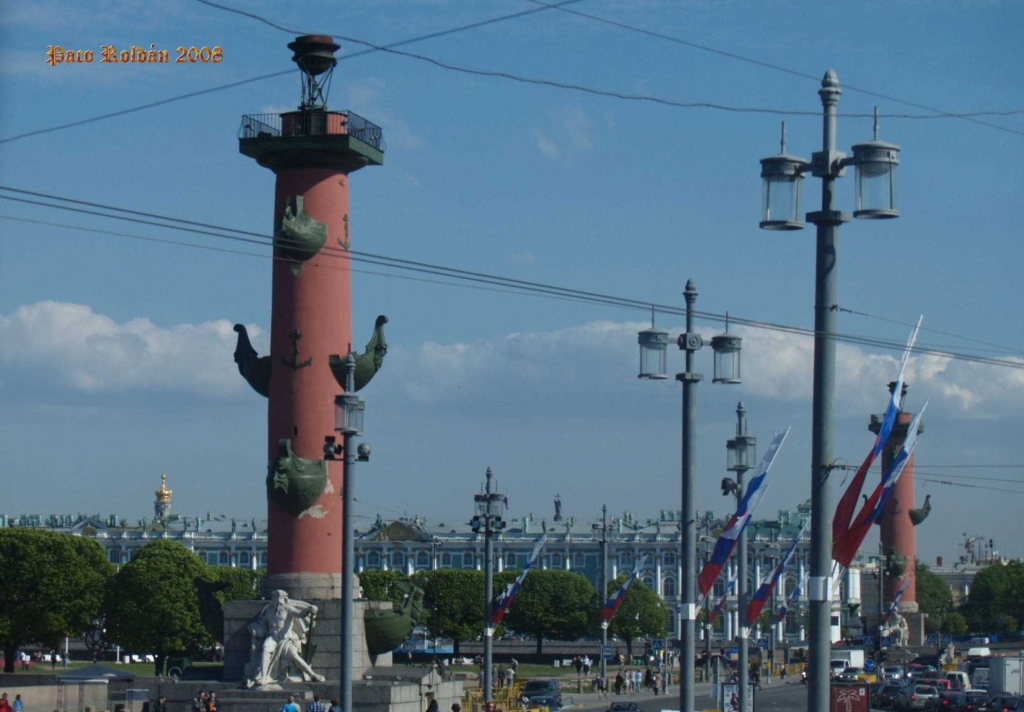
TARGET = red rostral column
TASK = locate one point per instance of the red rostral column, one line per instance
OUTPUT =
(312, 151)
(897, 529)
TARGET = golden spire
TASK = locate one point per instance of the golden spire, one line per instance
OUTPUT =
(163, 495)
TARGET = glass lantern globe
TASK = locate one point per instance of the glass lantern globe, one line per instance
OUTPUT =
(741, 453)
(653, 353)
(876, 163)
(727, 349)
(348, 414)
(781, 176)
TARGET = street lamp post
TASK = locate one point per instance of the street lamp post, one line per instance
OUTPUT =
(741, 452)
(490, 522)
(875, 163)
(653, 345)
(348, 420)
(603, 528)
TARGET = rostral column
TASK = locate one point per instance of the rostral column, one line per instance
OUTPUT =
(312, 151)
(897, 529)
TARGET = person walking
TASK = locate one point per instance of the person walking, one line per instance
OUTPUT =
(212, 705)
(335, 707)
(5, 705)
(587, 663)
(316, 705)
(199, 702)
(578, 664)
(18, 705)
(291, 705)
(433, 706)
(161, 704)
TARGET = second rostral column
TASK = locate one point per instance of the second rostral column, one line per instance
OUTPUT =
(312, 151)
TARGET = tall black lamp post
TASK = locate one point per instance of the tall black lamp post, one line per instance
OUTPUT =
(875, 162)
(653, 346)
(489, 520)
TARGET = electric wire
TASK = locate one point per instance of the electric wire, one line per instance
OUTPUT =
(467, 275)
(768, 65)
(495, 74)
(232, 85)
(960, 484)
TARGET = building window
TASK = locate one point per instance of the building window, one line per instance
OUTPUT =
(446, 559)
(467, 560)
(398, 558)
(510, 560)
(578, 560)
(422, 560)
(625, 559)
(225, 558)
(668, 589)
(114, 555)
(556, 560)
(243, 558)
(670, 558)
(649, 582)
(373, 560)
(263, 559)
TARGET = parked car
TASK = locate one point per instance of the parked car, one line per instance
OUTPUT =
(1006, 703)
(892, 672)
(883, 694)
(976, 701)
(946, 701)
(855, 674)
(915, 697)
(543, 688)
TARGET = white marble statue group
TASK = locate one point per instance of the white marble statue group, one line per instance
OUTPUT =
(279, 633)
(899, 631)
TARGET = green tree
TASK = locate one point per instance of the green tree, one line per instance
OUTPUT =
(52, 585)
(152, 606)
(954, 624)
(934, 597)
(454, 603)
(996, 601)
(642, 614)
(557, 605)
(381, 586)
(243, 584)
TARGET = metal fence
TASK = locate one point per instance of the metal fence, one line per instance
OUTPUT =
(312, 123)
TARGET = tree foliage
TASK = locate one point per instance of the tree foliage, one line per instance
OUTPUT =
(52, 585)
(454, 603)
(243, 584)
(558, 605)
(954, 624)
(934, 597)
(996, 601)
(642, 614)
(382, 586)
(152, 606)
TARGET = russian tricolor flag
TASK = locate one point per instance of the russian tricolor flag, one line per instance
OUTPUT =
(729, 537)
(896, 600)
(612, 605)
(513, 588)
(721, 601)
(764, 591)
(845, 548)
(848, 502)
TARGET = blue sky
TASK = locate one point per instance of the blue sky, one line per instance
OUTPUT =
(116, 354)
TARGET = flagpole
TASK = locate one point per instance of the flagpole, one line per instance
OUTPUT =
(604, 589)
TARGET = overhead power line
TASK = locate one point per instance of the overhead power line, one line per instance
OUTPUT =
(960, 484)
(371, 48)
(264, 240)
(769, 65)
(232, 85)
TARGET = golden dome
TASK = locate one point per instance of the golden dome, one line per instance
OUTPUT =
(163, 494)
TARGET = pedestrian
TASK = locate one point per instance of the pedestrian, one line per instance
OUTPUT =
(53, 659)
(291, 705)
(199, 702)
(316, 705)
(515, 665)
(578, 664)
(433, 706)
(782, 672)
(335, 707)
(755, 677)
(619, 680)
(5, 706)
(212, 705)
(510, 677)
(587, 663)
(638, 681)
(161, 704)
(456, 707)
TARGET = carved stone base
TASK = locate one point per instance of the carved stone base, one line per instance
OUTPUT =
(306, 586)
(326, 637)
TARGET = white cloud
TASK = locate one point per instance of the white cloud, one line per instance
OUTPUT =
(546, 146)
(70, 346)
(572, 132)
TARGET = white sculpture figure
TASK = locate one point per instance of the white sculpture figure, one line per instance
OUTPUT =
(278, 634)
(900, 632)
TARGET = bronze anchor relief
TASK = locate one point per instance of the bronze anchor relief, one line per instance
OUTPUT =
(294, 363)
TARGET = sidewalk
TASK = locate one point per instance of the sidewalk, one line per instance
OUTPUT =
(593, 700)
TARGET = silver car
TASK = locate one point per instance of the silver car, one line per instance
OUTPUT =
(915, 697)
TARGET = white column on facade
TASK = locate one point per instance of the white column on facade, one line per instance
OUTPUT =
(615, 568)
(410, 562)
(500, 561)
(657, 575)
(479, 561)
(728, 623)
(568, 560)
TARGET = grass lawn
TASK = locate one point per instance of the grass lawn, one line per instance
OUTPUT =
(139, 669)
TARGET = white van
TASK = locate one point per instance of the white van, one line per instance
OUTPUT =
(979, 653)
(959, 680)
